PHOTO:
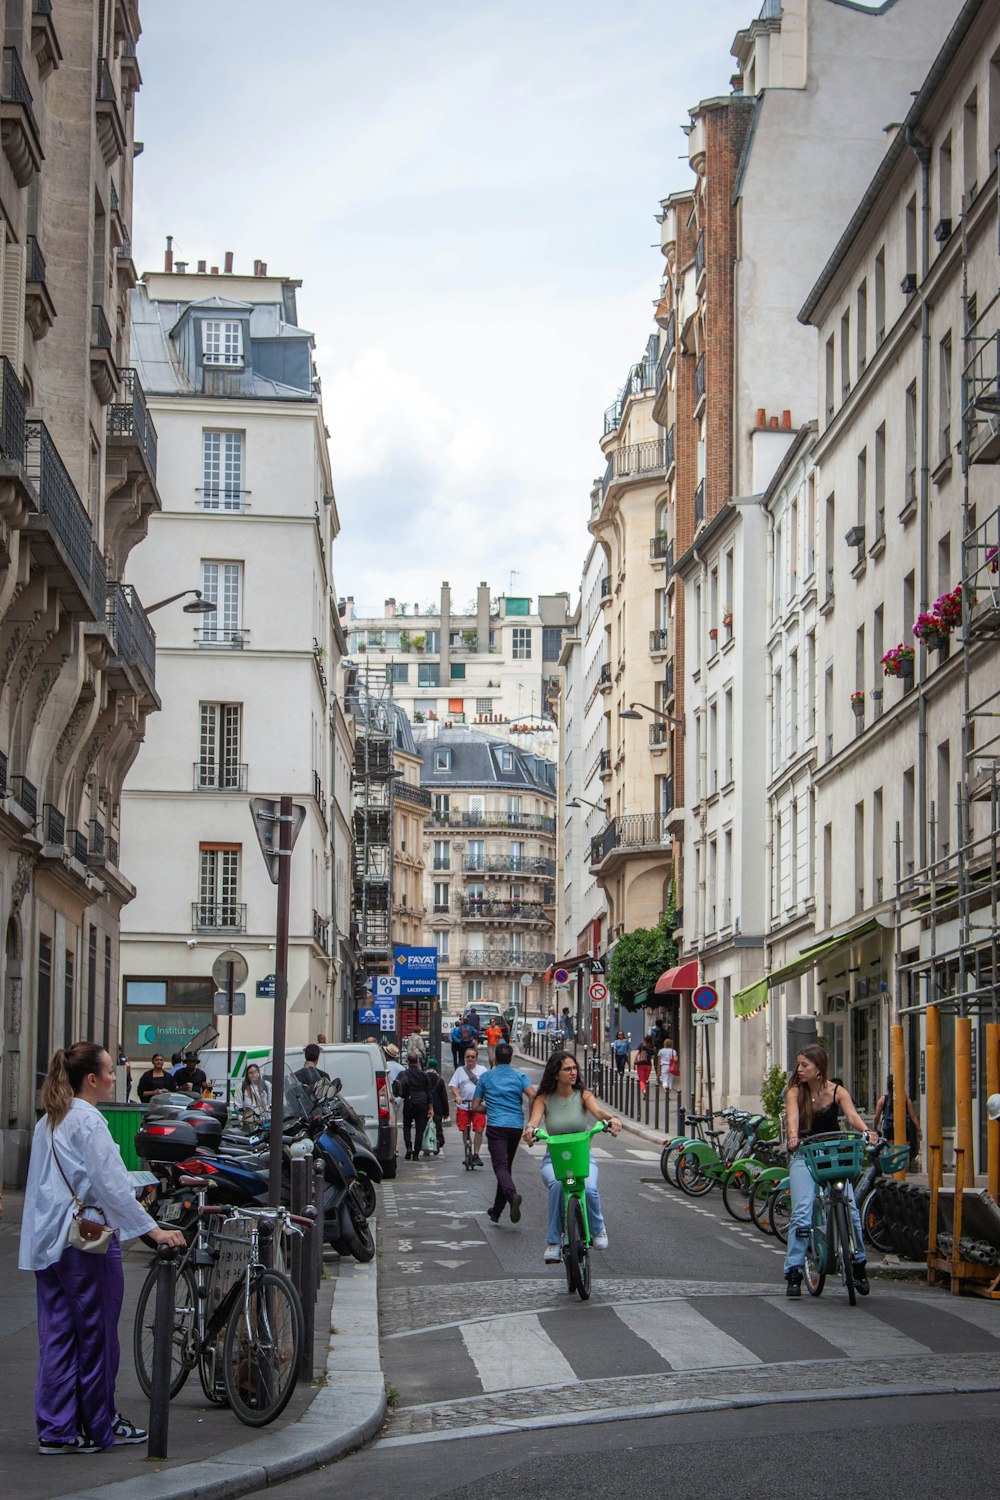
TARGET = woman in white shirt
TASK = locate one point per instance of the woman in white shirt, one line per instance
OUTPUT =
(79, 1293)
(254, 1095)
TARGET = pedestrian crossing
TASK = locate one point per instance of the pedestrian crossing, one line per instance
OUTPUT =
(572, 1342)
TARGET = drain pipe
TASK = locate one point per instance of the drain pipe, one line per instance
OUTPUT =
(923, 154)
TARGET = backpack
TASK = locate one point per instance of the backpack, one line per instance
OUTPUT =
(466, 1034)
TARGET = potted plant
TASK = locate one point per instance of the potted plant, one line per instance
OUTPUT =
(469, 637)
(931, 631)
(713, 634)
(418, 641)
(898, 661)
(991, 558)
(727, 618)
(858, 703)
(405, 640)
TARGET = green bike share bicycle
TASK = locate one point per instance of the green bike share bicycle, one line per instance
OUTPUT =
(833, 1161)
(570, 1158)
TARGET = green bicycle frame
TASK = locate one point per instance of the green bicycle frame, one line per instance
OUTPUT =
(570, 1158)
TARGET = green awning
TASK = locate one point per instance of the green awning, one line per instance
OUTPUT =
(642, 998)
(749, 1001)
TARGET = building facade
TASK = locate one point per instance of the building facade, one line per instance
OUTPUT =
(78, 484)
(247, 688)
(490, 858)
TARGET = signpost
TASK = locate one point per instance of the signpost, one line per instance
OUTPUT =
(704, 1000)
(229, 970)
(598, 992)
(222, 1008)
(560, 976)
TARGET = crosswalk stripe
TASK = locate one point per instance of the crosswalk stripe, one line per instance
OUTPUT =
(684, 1337)
(514, 1352)
(855, 1331)
(643, 1155)
(981, 1315)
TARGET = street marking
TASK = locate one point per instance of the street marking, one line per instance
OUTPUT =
(453, 1244)
(451, 1265)
(684, 1337)
(855, 1332)
(643, 1155)
(515, 1353)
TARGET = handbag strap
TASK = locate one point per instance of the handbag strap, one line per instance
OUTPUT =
(62, 1174)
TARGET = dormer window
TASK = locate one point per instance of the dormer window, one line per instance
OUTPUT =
(442, 760)
(506, 760)
(222, 342)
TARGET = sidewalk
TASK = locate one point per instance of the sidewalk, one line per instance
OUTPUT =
(213, 1454)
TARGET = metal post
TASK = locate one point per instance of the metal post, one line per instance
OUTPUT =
(993, 1126)
(935, 1143)
(319, 1186)
(900, 1091)
(708, 1068)
(579, 1005)
(963, 1091)
(230, 998)
(280, 995)
(163, 1343)
(434, 1029)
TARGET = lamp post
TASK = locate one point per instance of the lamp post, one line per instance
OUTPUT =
(198, 605)
(632, 712)
(600, 807)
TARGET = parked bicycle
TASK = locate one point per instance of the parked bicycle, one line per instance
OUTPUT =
(570, 1158)
(244, 1331)
(833, 1162)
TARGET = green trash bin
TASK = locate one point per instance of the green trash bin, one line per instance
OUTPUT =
(123, 1122)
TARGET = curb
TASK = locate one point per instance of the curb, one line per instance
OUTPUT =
(345, 1413)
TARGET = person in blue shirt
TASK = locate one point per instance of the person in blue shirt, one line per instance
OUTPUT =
(504, 1091)
(621, 1047)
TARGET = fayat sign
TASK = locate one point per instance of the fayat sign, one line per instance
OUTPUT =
(416, 970)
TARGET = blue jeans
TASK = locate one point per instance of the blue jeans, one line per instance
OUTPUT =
(803, 1196)
(554, 1186)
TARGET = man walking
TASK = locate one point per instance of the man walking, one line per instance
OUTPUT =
(504, 1091)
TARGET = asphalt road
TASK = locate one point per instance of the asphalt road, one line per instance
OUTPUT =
(687, 1355)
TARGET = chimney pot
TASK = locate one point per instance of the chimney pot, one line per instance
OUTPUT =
(263, 268)
(181, 267)
(215, 270)
(774, 424)
(229, 262)
(256, 268)
(786, 420)
(168, 259)
(761, 416)
(201, 267)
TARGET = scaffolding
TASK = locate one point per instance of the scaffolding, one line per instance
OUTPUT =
(372, 856)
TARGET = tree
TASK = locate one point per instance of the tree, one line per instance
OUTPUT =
(641, 956)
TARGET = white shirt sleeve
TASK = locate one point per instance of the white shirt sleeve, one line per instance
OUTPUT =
(111, 1187)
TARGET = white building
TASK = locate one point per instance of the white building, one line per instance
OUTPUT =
(250, 520)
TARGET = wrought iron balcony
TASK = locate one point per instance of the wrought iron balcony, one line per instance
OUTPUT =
(669, 445)
(100, 331)
(213, 637)
(111, 854)
(104, 373)
(605, 587)
(668, 678)
(510, 864)
(135, 643)
(667, 345)
(699, 256)
(129, 422)
(508, 911)
(76, 843)
(223, 916)
(18, 127)
(604, 676)
(634, 831)
(659, 640)
(604, 763)
(110, 130)
(640, 379)
(699, 379)
(53, 825)
(414, 795)
(699, 503)
(532, 960)
(96, 838)
(529, 822)
(321, 931)
(62, 530)
(25, 795)
(659, 734)
(230, 777)
(12, 434)
(658, 546)
(35, 266)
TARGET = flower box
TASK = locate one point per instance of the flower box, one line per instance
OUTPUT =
(858, 703)
(898, 661)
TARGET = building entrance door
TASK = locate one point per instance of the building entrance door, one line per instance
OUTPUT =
(866, 1058)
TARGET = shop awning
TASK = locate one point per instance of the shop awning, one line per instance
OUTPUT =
(748, 1001)
(682, 977)
(567, 963)
(644, 997)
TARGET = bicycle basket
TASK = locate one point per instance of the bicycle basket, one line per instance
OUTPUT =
(570, 1155)
(769, 1129)
(894, 1158)
(843, 1156)
(231, 1242)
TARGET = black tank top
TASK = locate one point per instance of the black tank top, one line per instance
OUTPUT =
(824, 1121)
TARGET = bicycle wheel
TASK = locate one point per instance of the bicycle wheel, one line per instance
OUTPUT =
(691, 1176)
(762, 1190)
(779, 1211)
(737, 1191)
(470, 1165)
(873, 1223)
(817, 1257)
(669, 1158)
(184, 1341)
(844, 1248)
(263, 1345)
(578, 1253)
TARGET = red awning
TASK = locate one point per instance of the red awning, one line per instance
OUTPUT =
(683, 977)
(567, 963)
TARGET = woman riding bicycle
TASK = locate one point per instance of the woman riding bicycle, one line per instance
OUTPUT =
(563, 1105)
(813, 1105)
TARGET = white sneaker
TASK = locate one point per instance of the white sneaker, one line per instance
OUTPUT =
(600, 1242)
(553, 1255)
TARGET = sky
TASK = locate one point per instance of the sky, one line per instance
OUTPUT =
(467, 192)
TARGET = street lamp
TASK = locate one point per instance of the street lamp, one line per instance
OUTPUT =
(198, 605)
(632, 712)
(585, 802)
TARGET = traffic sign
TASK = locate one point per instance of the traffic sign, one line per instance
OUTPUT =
(220, 969)
(266, 815)
(598, 991)
(706, 1018)
(560, 976)
(387, 1018)
(221, 1006)
(705, 997)
(597, 966)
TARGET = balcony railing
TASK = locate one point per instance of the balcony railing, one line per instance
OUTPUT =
(76, 843)
(25, 795)
(35, 267)
(112, 854)
(510, 864)
(633, 831)
(53, 825)
(129, 418)
(12, 436)
(96, 838)
(532, 960)
(62, 508)
(666, 350)
(414, 795)
(321, 931)
(699, 255)
(222, 638)
(659, 640)
(529, 822)
(641, 378)
(604, 763)
(604, 676)
(209, 777)
(100, 332)
(668, 795)
(635, 460)
(699, 379)
(668, 448)
(668, 678)
(658, 546)
(525, 911)
(699, 503)
(606, 587)
(659, 734)
(224, 916)
(115, 204)
(318, 792)
(135, 643)
(14, 85)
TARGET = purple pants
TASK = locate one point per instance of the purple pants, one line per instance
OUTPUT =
(79, 1300)
(503, 1144)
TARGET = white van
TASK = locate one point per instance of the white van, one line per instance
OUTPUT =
(359, 1065)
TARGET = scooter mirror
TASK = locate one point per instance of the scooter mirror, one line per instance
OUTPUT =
(335, 1086)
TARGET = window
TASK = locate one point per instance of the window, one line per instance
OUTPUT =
(433, 642)
(443, 993)
(910, 238)
(880, 482)
(777, 705)
(777, 585)
(944, 178)
(222, 585)
(830, 522)
(859, 856)
(513, 807)
(515, 854)
(551, 642)
(506, 760)
(880, 297)
(859, 659)
(441, 890)
(475, 854)
(845, 353)
(862, 487)
(810, 685)
(831, 400)
(910, 458)
(970, 130)
(878, 879)
(862, 328)
(475, 892)
(428, 674)
(219, 746)
(944, 795)
(222, 342)
(793, 702)
(878, 649)
(397, 671)
(442, 760)
(810, 524)
(218, 886)
(222, 470)
(458, 671)
(442, 854)
(441, 943)
(473, 989)
(43, 1009)
(484, 706)
(944, 398)
(521, 643)
(727, 730)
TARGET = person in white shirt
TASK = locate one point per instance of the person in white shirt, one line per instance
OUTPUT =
(669, 1065)
(463, 1086)
(74, 1161)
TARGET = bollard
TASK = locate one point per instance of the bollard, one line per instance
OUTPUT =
(307, 1292)
(301, 1182)
(163, 1344)
(681, 1119)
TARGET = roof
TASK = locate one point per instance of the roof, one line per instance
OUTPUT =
(900, 144)
(476, 761)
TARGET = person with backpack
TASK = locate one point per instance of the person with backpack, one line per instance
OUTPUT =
(413, 1087)
(457, 1050)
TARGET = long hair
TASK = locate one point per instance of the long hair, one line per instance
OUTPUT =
(550, 1076)
(253, 1088)
(67, 1070)
(816, 1054)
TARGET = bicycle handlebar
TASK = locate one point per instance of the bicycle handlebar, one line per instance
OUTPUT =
(541, 1134)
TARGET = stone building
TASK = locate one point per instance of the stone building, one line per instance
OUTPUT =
(78, 465)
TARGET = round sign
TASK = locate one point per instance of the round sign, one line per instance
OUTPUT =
(598, 991)
(560, 976)
(705, 998)
(220, 969)
(526, 980)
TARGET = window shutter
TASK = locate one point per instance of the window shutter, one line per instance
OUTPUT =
(15, 260)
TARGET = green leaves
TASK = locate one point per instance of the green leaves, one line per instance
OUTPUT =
(640, 957)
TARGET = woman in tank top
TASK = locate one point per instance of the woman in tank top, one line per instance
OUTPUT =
(813, 1106)
(564, 1106)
